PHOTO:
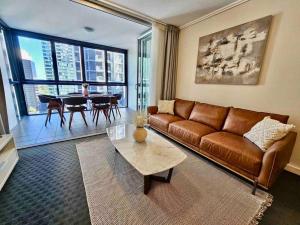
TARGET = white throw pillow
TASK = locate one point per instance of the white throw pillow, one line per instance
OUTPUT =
(267, 131)
(166, 106)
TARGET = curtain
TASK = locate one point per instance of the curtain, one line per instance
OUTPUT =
(168, 88)
(157, 62)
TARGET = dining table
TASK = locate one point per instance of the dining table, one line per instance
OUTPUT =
(88, 97)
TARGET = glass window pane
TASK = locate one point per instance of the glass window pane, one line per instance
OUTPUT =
(116, 67)
(68, 62)
(93, 89)
(69, 89)
(32, 91)
(119, 90)
(94, 64)
(36, 59)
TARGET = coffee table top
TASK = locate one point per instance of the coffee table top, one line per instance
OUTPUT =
(154, 155)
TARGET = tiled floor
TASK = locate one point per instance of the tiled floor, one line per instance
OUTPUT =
(32, 131)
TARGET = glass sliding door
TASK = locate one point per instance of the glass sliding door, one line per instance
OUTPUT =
(144, 64)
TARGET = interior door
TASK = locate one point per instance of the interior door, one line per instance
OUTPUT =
(143, 76)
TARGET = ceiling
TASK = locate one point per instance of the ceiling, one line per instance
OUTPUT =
(176, 12)
(66, 19)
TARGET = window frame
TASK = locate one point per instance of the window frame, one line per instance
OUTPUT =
(19, 76)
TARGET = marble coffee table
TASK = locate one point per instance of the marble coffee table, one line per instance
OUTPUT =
(153, 156)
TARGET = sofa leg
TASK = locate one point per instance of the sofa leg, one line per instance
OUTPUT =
(254, 186)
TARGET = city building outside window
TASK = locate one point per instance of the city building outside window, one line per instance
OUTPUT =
(94, 61)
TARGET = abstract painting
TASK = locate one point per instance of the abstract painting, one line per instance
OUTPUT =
(234, 55)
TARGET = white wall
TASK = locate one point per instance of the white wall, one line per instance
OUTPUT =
(278, 90)
(132, 75)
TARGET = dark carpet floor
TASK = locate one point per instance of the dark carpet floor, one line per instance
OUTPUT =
(46, 187)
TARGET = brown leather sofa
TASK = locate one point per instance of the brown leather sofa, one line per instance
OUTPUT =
(216, 132)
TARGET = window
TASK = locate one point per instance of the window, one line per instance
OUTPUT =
(115, 67)
(97, 89)
(32, 92)
(68, 89)
(68, 62)
(36, 58)
(119, 90)
(58, 66)
(94, 62)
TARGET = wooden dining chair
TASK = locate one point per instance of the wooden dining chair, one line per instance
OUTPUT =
(96, 93)
(91, 93)
(100, 104)
(75, 104)
(53, 104)
(114, 101)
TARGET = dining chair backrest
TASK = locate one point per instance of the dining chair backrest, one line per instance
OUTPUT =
(45, 98)
(118, 96)
(75, 101)
(96, 93)
(75, 93)
(100, 100)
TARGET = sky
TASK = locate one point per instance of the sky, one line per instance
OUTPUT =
(32, 49)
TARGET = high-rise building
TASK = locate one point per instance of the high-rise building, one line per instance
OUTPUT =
(29, 90)
(47, 58)
(115, 67)
(48, 65)
(95, 67)
(68, 65)
(29, 69)
(94, 64)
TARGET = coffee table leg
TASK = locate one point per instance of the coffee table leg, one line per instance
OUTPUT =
(169, 175)
(148, 180)
(147, 184)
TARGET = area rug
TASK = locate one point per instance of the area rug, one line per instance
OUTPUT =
(199, 193)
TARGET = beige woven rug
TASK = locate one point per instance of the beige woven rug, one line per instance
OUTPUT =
(199, 193)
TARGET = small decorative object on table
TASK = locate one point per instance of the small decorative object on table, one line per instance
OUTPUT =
(85, 91)
(140, 133)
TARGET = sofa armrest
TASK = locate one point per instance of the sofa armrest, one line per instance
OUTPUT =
(152, 110)
(275, 159)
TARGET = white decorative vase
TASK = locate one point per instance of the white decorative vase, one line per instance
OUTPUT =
(140, 134)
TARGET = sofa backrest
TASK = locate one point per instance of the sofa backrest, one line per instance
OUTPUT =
(183, 108)
(240, 121)
(211, 115)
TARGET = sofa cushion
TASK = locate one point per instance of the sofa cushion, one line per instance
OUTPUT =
(267, 131)
(162, 121)
(166, 106)
(240, 121)
(233, 149)
(183, 108)
(211, 115)
(189, 131)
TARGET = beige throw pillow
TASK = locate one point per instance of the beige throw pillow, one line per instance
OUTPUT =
(267, 131)
(166, 106)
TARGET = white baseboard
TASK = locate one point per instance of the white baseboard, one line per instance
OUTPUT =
(293, 169)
